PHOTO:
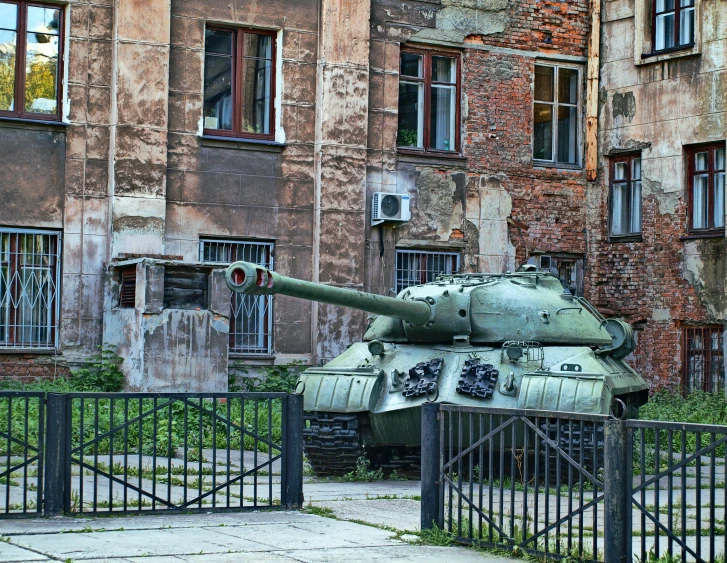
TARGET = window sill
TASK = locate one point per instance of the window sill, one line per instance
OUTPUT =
(242, 144)
(28, 123)
(29, 351)
(544, 164)
(668, 54)
(617, 239)
(239, 360)
(704, 235)
(438, 158)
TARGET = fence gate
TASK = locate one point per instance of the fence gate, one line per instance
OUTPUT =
(22, 430)
(525, 480)
(157, 452)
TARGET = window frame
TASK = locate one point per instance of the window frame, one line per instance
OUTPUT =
(20, 55)
(238, 59)
(690, 153)
(423, 271)
(54, 312)
(677, 23)
(236, 244)
(427, 55)
(707, 352)
(631, 236)
(554, 162)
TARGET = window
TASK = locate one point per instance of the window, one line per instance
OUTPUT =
(251, 321)
(555, 115)
(706, 170)
(415, 267)
(30, 60)
(703, 359)
(567, 267)
(626, 196)
(29, 281)
(673, 24)
(239, 83)
(428, 101)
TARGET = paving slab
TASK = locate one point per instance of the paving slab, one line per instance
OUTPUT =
(273, 537)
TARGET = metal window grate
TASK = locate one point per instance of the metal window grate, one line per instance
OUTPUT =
(128, 287)
(251, 323)
(416, 267)
(703, 359)
(29, 281)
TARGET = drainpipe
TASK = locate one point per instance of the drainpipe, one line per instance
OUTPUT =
(594, 49)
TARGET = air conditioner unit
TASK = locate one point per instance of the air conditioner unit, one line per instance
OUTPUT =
(389, 207)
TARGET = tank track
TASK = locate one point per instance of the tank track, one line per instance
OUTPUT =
(333, 444)
(592, 464)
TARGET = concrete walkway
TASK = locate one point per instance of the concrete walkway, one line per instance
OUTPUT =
(215, 538)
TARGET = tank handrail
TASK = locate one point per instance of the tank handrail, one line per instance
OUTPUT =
(252, 279)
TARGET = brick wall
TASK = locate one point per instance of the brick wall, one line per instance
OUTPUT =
(27, 368)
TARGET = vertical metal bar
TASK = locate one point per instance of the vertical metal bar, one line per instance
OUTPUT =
(154, 456)
(614, 492)
(670, 491)
(25, 457)
(513, 445)
(255, 448)
(450, 454)
(111, 454)
(214, 453)
(293, 451)
(657, 511)
(547, 483)
(712, 495)
(8, 450)
(491, 475)
(431, 480)
(582, 461)
(243, 425)
(141, 451)
(41, 455)
(683, 494)
(126, 454)
(536, 478)
(698, 504)
(95, 456)
(524, 478)
(470, 477)
(459, 473)
(55, 456)
(186, 451)
(270, 451)
(594, 426)
(642, 474)
(200, 454)
(82, 456)
(629, 491)
(228, 445)
(570, 488)
(558, 460)
(481, 470)
(501, 455)
(170, 451)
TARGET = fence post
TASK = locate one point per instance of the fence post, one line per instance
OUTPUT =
(616, 532)
(55, 454)
(293, 493)
(431, 467)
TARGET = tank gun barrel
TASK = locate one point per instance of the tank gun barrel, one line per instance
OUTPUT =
(252, 279)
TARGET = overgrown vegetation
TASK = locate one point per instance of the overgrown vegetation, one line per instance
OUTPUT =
(696, 408)
(363, 472)
(274, 379)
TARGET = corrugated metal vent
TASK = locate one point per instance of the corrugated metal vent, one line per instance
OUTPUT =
(128, 287)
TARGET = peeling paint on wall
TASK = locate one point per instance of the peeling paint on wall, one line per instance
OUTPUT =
(460, 18)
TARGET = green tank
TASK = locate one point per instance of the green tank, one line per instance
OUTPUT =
(515, 340)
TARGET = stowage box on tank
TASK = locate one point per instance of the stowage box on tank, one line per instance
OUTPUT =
(498, 340)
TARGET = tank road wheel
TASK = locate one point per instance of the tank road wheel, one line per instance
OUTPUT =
(332, 442)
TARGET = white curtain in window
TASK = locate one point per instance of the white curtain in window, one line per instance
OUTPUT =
(699, 202)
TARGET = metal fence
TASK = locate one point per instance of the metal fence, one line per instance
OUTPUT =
(677, 491)
(524, 480)
(166, 452)
(22, 427)
(567, 485)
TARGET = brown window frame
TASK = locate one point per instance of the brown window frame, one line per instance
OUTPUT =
(691, 153)
(629, 181)
(20, 55)
(677, 17)
(707, 353)
(238, 58)
(427, 55)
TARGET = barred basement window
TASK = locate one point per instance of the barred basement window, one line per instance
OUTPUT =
(251, 321)
(703, 359)
(416, 267)
(29, 281)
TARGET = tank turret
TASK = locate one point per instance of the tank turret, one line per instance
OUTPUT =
(500, 340)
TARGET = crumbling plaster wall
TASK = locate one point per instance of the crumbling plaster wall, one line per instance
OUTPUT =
(465, 203)
(663, 281)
